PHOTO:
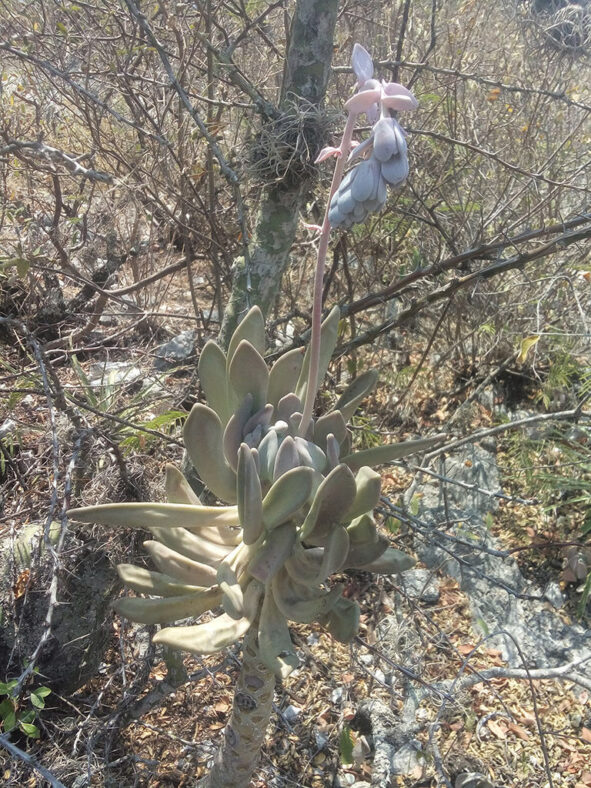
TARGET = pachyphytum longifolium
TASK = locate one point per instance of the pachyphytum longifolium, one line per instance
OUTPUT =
(299, 508)
(382, 157)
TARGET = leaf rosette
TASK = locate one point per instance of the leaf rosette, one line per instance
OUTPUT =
(299, 508)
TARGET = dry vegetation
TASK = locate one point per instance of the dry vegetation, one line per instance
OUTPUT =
(119, 229)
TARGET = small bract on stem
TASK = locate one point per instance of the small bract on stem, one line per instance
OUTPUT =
(299, 501)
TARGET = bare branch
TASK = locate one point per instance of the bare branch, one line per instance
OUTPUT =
(47, 152)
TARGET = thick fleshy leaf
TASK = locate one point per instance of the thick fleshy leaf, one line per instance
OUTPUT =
(333, 451)
(232, 594)
(390, 452)
(250, 500)
(287, 406)
(328, 340)
(234, 432)
(310, 454)
(271, 556)
(302, 603)
(157, 515)
(343, 620)
(154, 583)
(252, 329)
(367, 496)
(304, 564)
(284, 375)
(162, 611)
(212, 376)
(361, 63)
(335, 553)
(178, 566)
(332, 422)
(363, 530)
(286, 458)
(255, 427)
(216, 634)
(391, 562)
(333, 498)
(362, 554)
(193, 546)
(267, 451)
(355, 393)
(178, 489)
(248, 374)
(275, 646)
(203, 434)
(287, 495)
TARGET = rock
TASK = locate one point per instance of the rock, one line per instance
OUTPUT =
(361, 749)
(344, 780)
(113, 373)
(554, 595)
(178, 352)
(406, 758)
(501, 599)
(291, 714)
(7, 428)
(321, 739)
(420, 585)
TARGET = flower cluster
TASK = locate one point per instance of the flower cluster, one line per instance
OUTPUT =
(383, 154)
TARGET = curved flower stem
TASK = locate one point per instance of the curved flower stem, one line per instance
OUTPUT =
(244, 735)
(337, 177)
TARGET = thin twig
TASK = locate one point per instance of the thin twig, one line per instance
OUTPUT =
(30, 761)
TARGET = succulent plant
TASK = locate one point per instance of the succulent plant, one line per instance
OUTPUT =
(300, 508)
(299, 500)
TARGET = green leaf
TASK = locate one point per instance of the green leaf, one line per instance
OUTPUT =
(415, 505)
(9, 720)
(22, 266)
(212, 376)
(38, 702)
(32, 731)
(526, 345)
(380, 455)
(346, 745)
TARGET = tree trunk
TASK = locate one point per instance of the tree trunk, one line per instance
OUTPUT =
(307, 70)
(239, 753)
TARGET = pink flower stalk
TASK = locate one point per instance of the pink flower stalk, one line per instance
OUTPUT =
(383, 161)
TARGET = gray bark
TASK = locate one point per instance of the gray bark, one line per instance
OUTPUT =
(244, 735)
(305, 80)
